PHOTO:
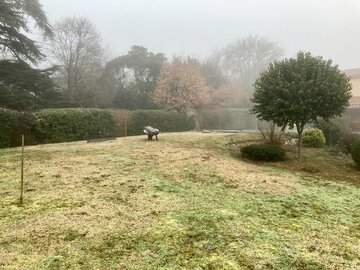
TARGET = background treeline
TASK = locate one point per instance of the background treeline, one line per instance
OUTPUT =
(135, 89)
(82, 72)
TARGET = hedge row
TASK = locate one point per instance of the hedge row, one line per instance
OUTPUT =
(54, 125)
(65, 125)
(12, 125)
(232, 118)
(165, 121)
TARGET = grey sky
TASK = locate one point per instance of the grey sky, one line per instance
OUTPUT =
(325, 27)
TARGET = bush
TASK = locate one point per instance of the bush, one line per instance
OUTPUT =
(334, 130)
(165, 121)
(65, 125)
(355, 152)
(263, 152)
(271, 133)
(338, 133)
(9, 122)
(346, 142)
(12, 125)
(313, 137)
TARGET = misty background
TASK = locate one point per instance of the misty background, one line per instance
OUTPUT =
(194, 57)
(176, 27)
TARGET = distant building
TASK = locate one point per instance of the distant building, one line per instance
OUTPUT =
(352, 114)
(354, 75)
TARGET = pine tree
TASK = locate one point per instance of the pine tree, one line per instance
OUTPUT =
(21, 85)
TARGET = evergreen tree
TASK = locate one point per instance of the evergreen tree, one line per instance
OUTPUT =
(21, 85)
(294, 92)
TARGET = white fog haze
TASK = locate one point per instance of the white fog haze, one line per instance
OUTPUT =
(324, 27)
(180, 134)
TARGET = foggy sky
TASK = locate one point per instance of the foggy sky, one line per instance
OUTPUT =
(329, 28)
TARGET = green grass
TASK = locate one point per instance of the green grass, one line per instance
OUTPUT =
(180, 203)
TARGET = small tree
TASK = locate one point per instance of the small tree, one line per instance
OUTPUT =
(294, 92)
(182, 87)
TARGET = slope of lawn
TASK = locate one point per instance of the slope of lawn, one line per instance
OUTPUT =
(178, 203)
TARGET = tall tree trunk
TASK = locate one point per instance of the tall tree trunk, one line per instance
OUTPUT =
(300, 128)
(195, 114)
(300, 146)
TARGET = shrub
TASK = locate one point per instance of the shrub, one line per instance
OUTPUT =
(333, 130)
(9, 122)
(64, 125)
(165, 121)
(355, 152)
(263, 152)
(270, 133)
(346, 142)
(12, 125)
(313, 137)
(338, 133)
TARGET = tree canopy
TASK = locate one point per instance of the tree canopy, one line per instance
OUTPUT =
(182, 87)
(243, 60)
(21, 85)
(129, 81)
(300, 90)
(14, 18)
(77, 49)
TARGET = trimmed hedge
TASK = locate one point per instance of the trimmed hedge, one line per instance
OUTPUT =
(9, 123)
(12, 125)
(355, 153)
(231, 118)
(121, 117)
(65, 125)
(165, 121)
(263, 152)
(314, 137)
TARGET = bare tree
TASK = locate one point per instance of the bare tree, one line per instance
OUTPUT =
(76, 48)
(243, 60)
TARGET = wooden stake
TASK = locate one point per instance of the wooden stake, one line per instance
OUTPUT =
(22, 170)
(125, 126)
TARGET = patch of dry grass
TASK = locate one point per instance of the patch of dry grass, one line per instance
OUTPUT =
(178, 203)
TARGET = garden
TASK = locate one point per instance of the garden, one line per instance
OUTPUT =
(183, 202)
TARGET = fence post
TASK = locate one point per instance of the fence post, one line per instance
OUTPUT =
(125, 125)
(22, 170)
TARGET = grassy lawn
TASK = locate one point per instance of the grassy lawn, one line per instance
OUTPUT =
(182, 202)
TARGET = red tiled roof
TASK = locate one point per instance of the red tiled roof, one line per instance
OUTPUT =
(354, 101)
(352, 73)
